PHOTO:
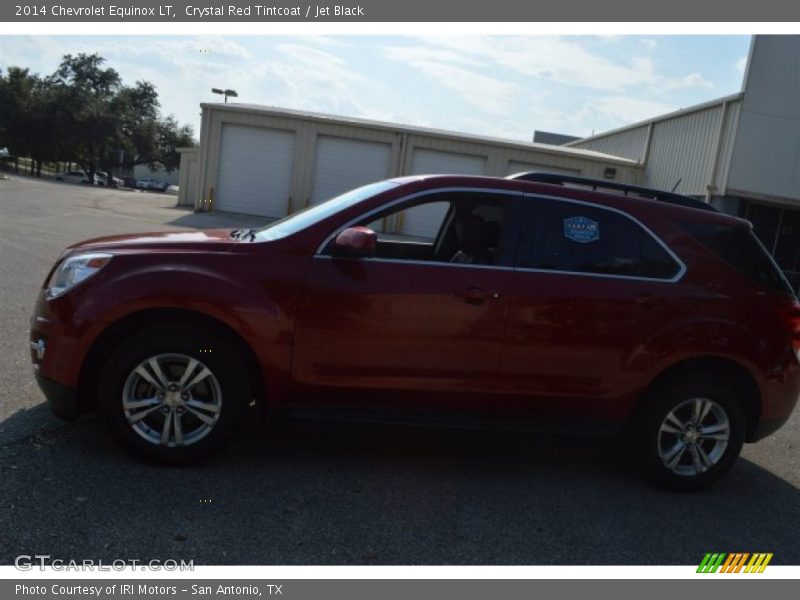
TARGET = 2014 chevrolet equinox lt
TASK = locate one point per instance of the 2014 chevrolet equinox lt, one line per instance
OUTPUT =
(527, 297)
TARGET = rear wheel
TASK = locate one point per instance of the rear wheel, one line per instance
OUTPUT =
(174, 395)
(690, 432)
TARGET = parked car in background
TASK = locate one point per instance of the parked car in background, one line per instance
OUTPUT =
(533, 304)
(129, 182)
(151, 184)
(73, 177)
(102, 178)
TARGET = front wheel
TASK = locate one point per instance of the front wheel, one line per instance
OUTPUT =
(690, 432)
(174, 395)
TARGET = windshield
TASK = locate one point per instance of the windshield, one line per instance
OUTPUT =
(314, 214)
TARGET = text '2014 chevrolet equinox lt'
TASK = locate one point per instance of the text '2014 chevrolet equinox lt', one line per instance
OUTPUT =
(515, 299)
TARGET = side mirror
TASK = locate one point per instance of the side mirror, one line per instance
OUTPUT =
(355, 241)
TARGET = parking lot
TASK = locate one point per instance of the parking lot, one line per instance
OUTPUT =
(335, 494)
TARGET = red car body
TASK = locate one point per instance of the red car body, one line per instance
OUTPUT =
(326, 332)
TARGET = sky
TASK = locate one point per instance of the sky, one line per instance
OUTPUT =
(503, 86)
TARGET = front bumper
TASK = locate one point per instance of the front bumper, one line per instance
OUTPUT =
(61, 398)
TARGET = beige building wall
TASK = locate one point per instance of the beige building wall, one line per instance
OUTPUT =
(187, 192)
(404, 141)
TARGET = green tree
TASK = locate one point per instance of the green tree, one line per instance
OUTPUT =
(84, 113)
(92, 92)
(172, 136)
(16, 107)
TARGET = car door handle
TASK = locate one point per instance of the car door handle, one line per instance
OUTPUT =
(477, 295)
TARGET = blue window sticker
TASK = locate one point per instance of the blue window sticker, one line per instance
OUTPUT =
(581, 230)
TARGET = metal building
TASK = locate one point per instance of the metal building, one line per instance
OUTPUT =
(741, 153)
(271, 162)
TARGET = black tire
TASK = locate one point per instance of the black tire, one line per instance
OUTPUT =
(227, 381)
(653, 446)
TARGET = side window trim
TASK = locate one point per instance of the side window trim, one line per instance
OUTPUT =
(422, 263)
(446, 222)
(674, 279)
(514, 199)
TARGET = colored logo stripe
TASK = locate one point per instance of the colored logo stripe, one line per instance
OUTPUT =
(758, 563)
(734, 562)
(711, 563)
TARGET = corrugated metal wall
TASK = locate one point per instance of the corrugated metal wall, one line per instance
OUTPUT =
(629, 143)
(403, 142)
(683, 149)
(729, 130)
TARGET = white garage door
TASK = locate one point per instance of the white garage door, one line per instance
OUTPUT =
(343, 164)
(518, 167)
(255, 170)
(424, 221)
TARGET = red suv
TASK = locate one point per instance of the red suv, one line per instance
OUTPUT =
(536, 299)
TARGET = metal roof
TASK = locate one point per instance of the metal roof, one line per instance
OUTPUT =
(578, 153)
(554, 139)
(664, 117)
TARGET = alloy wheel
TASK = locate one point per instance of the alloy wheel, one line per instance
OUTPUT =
(693, 437)
(172, 400)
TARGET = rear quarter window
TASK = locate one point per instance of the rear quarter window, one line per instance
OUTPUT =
(739, 247)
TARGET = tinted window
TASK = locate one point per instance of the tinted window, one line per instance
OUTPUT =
(787, 254)
(739, 248)
(467, 229)
(564, 236)
(765, 221)
(424, 222)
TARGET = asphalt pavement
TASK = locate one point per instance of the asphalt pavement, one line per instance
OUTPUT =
(303, 493)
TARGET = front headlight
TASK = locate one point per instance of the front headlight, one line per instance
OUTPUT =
(74, 270)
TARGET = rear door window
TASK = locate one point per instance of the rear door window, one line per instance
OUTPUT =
(572, 237)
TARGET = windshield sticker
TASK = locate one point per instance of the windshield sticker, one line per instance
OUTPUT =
(581, 230)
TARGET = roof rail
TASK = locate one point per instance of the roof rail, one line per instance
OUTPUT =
(601, 184)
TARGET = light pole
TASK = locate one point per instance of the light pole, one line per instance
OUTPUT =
(225, 93)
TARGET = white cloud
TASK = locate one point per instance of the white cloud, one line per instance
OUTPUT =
(180, 52)
(692, 80)
(562, 60)
(428, 54)
(649, 44)
(741, 64)
(311, 78)
(487, 93)
(610, 38)
(326, 41)
(624, 109)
